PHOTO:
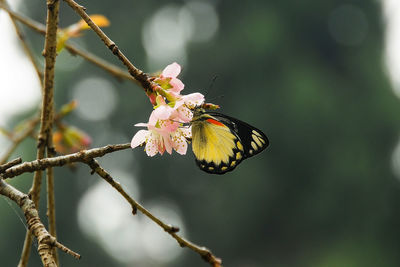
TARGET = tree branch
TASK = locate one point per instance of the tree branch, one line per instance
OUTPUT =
(8, 165)
(47, 109)
(35, 226)
(51, 202)
(81, 156)
(205, 253)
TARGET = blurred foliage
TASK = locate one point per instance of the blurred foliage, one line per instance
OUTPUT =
(323, 194)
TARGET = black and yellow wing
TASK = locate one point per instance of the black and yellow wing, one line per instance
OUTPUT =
(220, 142)
(253, 140)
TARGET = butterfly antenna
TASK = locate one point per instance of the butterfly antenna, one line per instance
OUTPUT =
(211, 85)
(217, 97)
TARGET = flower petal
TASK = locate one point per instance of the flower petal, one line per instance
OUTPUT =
(171, 70)
(139, 138)
(182, 114)
(168, 144)
(186, 132)
(98, 19)
(195, 99)
(151, 148)
(181, 147)
(154, 144)
(177, 85)
(163, 112)
(141, 124)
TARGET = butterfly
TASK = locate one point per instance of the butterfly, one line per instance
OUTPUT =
(220, 142)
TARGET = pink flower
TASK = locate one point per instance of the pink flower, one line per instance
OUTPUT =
(168, 80)
(165, 131)
(183, 106)
(165, 128)
(163, 134)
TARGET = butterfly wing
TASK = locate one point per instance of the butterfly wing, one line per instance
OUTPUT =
(253, 140)
(220, 142)
(216, 147)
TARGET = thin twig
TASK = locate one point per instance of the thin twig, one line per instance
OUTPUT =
(50, 54)
(81, 156)
(46, 117)
(205, 253)
(51, 206)
(139, 75)
(9, 164)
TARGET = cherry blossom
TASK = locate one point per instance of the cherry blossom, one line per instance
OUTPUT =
(167, 128)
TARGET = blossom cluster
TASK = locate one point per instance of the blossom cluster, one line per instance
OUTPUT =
(165, 130)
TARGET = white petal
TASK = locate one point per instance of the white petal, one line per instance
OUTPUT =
(151, 148)
(172, 70)
(181, 147)
(139, 138)
(168, 144)
(193, 99)
(141, 124)
(186, 132)
(163, 112)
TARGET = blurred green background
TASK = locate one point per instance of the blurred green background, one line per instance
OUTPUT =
(310, 74)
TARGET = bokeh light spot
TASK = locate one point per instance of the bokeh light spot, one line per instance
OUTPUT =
(167, 33)
(96, 98)
(164, 37)
(203, 18)
(20, 88)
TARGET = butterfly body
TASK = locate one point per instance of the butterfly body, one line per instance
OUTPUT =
(220, 142)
